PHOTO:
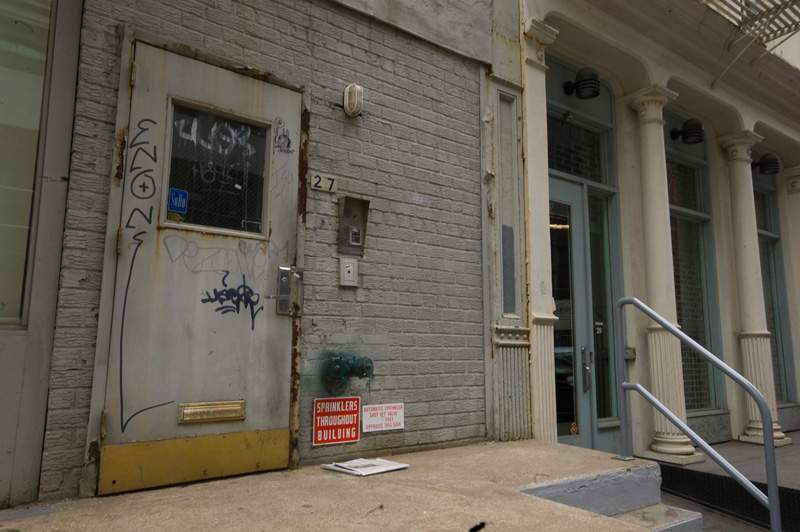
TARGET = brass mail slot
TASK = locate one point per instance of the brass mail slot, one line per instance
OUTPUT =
(211, 411)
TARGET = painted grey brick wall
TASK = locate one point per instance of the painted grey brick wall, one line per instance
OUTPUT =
(414, 154)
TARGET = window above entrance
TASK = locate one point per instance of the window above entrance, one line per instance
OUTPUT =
(580, 133)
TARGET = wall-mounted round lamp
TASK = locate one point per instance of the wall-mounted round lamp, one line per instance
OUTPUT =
(353, 100)
(586, 85)
(692, 132)
(769, 164)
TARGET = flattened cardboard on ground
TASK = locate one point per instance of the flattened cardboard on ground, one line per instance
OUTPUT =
(362, 467)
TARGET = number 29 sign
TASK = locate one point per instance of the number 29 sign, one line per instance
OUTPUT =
(325, 183)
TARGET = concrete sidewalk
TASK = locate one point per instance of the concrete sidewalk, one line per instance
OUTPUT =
(452, 489)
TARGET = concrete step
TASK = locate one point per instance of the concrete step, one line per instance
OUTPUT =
(661, 517)
(608, 493)
(630, 495)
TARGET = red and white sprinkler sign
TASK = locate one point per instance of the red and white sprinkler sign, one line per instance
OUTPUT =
(336, 420)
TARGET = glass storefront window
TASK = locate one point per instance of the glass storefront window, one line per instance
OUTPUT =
(768, 244)
(688, 257)
(24, 29)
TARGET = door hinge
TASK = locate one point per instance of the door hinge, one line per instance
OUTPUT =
(133, 74)
(119, 241)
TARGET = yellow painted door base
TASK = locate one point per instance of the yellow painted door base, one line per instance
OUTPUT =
(140, 465)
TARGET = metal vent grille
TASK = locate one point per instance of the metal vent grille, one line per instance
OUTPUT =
(512, 381)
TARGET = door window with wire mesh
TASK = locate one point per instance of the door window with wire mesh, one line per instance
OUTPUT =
(217, 170)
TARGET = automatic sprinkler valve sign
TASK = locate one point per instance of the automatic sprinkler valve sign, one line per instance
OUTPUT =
(336, 420)
(383, 417)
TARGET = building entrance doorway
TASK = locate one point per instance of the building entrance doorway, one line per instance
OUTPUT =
(200, 355)
(584, 379)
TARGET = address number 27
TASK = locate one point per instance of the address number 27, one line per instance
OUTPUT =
(324, 183)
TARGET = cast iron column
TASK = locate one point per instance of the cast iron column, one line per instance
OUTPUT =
(754, 336)
(664, 352)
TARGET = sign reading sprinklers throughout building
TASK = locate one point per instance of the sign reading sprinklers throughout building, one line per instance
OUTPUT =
(384, 417)
(336, 420)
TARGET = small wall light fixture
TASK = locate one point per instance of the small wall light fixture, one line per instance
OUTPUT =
(769, 164)
(353, 99)
(691, 133)
(586, 85)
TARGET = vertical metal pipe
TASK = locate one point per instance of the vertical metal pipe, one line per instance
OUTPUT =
(622, 405)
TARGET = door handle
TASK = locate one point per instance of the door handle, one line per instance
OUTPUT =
(587, 369)
(290, 292)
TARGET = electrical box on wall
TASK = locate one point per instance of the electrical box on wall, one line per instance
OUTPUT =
(348, 271)
(352, 225)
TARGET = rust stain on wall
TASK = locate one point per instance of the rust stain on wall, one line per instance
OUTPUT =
(120, 141)
(294, 395)
(302, 194)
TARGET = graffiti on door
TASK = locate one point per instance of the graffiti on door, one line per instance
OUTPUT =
(142, 187)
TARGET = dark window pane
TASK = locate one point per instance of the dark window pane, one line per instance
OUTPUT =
(563, 333)
(601, 326)
(682, 185)
(216, 171)
(762, 218)
(574, 150)
(689, 290)
(766, 250)
(509, 271)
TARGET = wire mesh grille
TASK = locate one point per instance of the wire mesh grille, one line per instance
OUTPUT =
(216, 171)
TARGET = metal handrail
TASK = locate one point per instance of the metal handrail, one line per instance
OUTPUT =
(771, 502)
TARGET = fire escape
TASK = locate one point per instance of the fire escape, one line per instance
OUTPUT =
(769, 23)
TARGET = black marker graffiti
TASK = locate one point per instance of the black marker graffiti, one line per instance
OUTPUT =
(134, 141)
(232, 299)
(153, 157)
(282, 180)
(148, 218)
(142, 186)
(282, 141)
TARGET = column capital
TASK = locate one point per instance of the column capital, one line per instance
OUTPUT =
(541, 36)
(737, 145)
(649, 102)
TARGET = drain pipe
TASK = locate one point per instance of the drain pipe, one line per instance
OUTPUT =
(622, 405)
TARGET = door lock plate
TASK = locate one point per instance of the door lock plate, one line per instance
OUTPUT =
(290, 292)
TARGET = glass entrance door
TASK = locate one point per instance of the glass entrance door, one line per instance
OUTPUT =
(584, 376)
(573, 349)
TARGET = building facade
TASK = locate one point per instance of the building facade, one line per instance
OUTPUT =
(204, 235)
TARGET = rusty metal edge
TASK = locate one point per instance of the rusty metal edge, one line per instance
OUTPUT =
(297, 320)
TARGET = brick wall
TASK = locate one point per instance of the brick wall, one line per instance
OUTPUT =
(414, 153)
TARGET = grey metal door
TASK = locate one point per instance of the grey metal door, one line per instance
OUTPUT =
(199, 364)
